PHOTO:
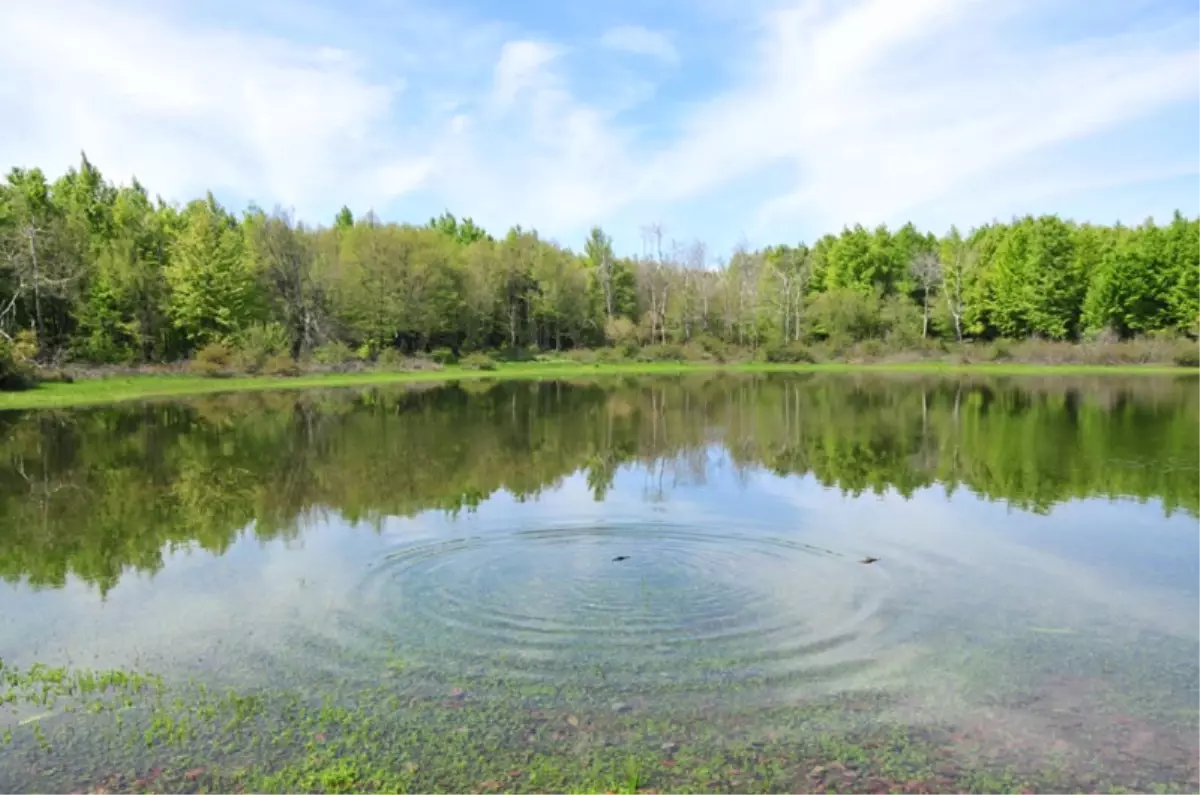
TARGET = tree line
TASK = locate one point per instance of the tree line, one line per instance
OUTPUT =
(103, 273)
(94, 493)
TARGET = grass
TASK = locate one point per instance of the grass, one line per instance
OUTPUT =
(91, 391)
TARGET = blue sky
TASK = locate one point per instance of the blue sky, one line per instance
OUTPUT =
(723, 120)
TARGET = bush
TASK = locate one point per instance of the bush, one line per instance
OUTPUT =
(213, 360)
(1000, 352)
(15, 374)
(695, 352)
(870, 350)
(715, 348)
(620, 331)
(1188, 358)
(580, 356)
(788, 353)
(280, 365)
(25, 346)
(520, 353)
(669, 352)
(845, 315)
(254, 345)
(333, 353)
(612, 355)
(443, 356)
(390, 359)
(478, 361)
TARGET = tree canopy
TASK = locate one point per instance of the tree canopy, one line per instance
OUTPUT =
(105, 274)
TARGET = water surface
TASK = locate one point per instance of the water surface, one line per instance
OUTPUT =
(418, 587)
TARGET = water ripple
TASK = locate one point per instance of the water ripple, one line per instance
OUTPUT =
(696, 606)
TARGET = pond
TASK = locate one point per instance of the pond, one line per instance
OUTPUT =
(698, 583)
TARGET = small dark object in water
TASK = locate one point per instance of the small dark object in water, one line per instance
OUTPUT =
(868, 559)
(620, 558)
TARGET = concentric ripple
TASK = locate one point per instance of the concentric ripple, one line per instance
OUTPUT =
(690, 607)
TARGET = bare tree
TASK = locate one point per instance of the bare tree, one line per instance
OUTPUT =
(35, 269)
(926, 269)
(788, 270)
(658, 283)
(960, 260)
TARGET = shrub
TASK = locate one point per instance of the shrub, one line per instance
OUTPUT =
(1188, 358)
(669, 352)
(847, 315)
(1000, 352)
(695, 352)
(213, 360)
(580, 355)
(715, 348)
(443, 355)
(25, 345)
(612, 355)
(870, 349)
(527, 353)
(280, 365)
(254, 345)
(390, 359)
(333, 353)
(788, 353)
(15, 374)
(620, 331)
(478, 361)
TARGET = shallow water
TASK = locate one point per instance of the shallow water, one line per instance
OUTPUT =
(440, 564)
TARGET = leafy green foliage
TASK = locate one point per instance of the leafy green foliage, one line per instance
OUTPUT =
(15, 373)
(1189, 358)
(334, 353)
(254, 345)
(109, 276)
(212, 290)
(788, 353)
(390, 359)
(478, 361)
(280, 364)
(443, 356)
(668, 352)
(214, 360)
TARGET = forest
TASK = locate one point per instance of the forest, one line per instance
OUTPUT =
(100, 273)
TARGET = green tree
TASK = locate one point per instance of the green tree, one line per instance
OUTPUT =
(212, 286)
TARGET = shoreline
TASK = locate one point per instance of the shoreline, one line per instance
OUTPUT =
(115, 389)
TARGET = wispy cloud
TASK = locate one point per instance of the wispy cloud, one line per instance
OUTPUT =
(523, 65)
(640, 41)
(814, 114)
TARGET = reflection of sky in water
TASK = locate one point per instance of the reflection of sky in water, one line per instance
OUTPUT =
(1087, 563)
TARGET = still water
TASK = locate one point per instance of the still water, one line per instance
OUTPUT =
(750, 583)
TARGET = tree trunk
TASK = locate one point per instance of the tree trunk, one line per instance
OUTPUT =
(37, 289)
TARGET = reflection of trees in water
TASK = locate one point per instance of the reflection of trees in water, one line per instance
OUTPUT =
(92, 492)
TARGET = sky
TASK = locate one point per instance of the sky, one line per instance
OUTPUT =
(726, 121)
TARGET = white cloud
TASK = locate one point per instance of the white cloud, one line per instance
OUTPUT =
(877, 109)
(522, 65)
(191, 109)
(871, 111)
(640, 41)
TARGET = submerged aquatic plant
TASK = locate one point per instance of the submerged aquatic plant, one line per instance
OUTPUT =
(481, 734)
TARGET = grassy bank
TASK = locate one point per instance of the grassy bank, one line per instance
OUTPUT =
(91, 391)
